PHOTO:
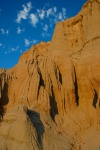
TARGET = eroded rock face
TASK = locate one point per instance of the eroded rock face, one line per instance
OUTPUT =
(59, 82)
(17, 131)
(25, 129)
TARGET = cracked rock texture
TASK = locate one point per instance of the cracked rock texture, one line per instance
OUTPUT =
(51, 99)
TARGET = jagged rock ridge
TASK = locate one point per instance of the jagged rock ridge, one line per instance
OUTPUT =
(51, 99)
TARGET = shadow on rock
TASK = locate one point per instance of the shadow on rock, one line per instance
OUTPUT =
(37, 123)
(4, 99)
(2, 111)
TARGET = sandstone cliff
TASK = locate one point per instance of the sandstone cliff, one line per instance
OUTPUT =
(51, 99)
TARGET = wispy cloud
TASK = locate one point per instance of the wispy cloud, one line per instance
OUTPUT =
(21, 51)
(45, 28)
(59, 16)
(19, 30)
(28, 42)
(34, 41)
(55, 9)
(50, 12)
(34, 20)
(4, 31)
(23, 14)
(1, 44)
(41, 13)
(52, 15)
(62, 15)
(45, 34)
(12, 50)
(46, 14)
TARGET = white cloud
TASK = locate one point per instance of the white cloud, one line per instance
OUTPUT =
(57, 16)
(41, 13)
(14, 49)
(34, 41)
(1, 45)
(60, 16)
(52, 14)
(21, 51)
(23, 14)
(46, 14)
(19, 30)
(49, 12)
(34, 20)
(64, 13)
(45, 34)
(7, 32)
(27, 42)
(45, 28)
(55, 9)
(4, 31)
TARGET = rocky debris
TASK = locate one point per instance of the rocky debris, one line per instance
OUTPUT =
(17, 131)
(59, 82)
(23, 129)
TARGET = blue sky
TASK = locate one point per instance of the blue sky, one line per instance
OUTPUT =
(27, 22)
